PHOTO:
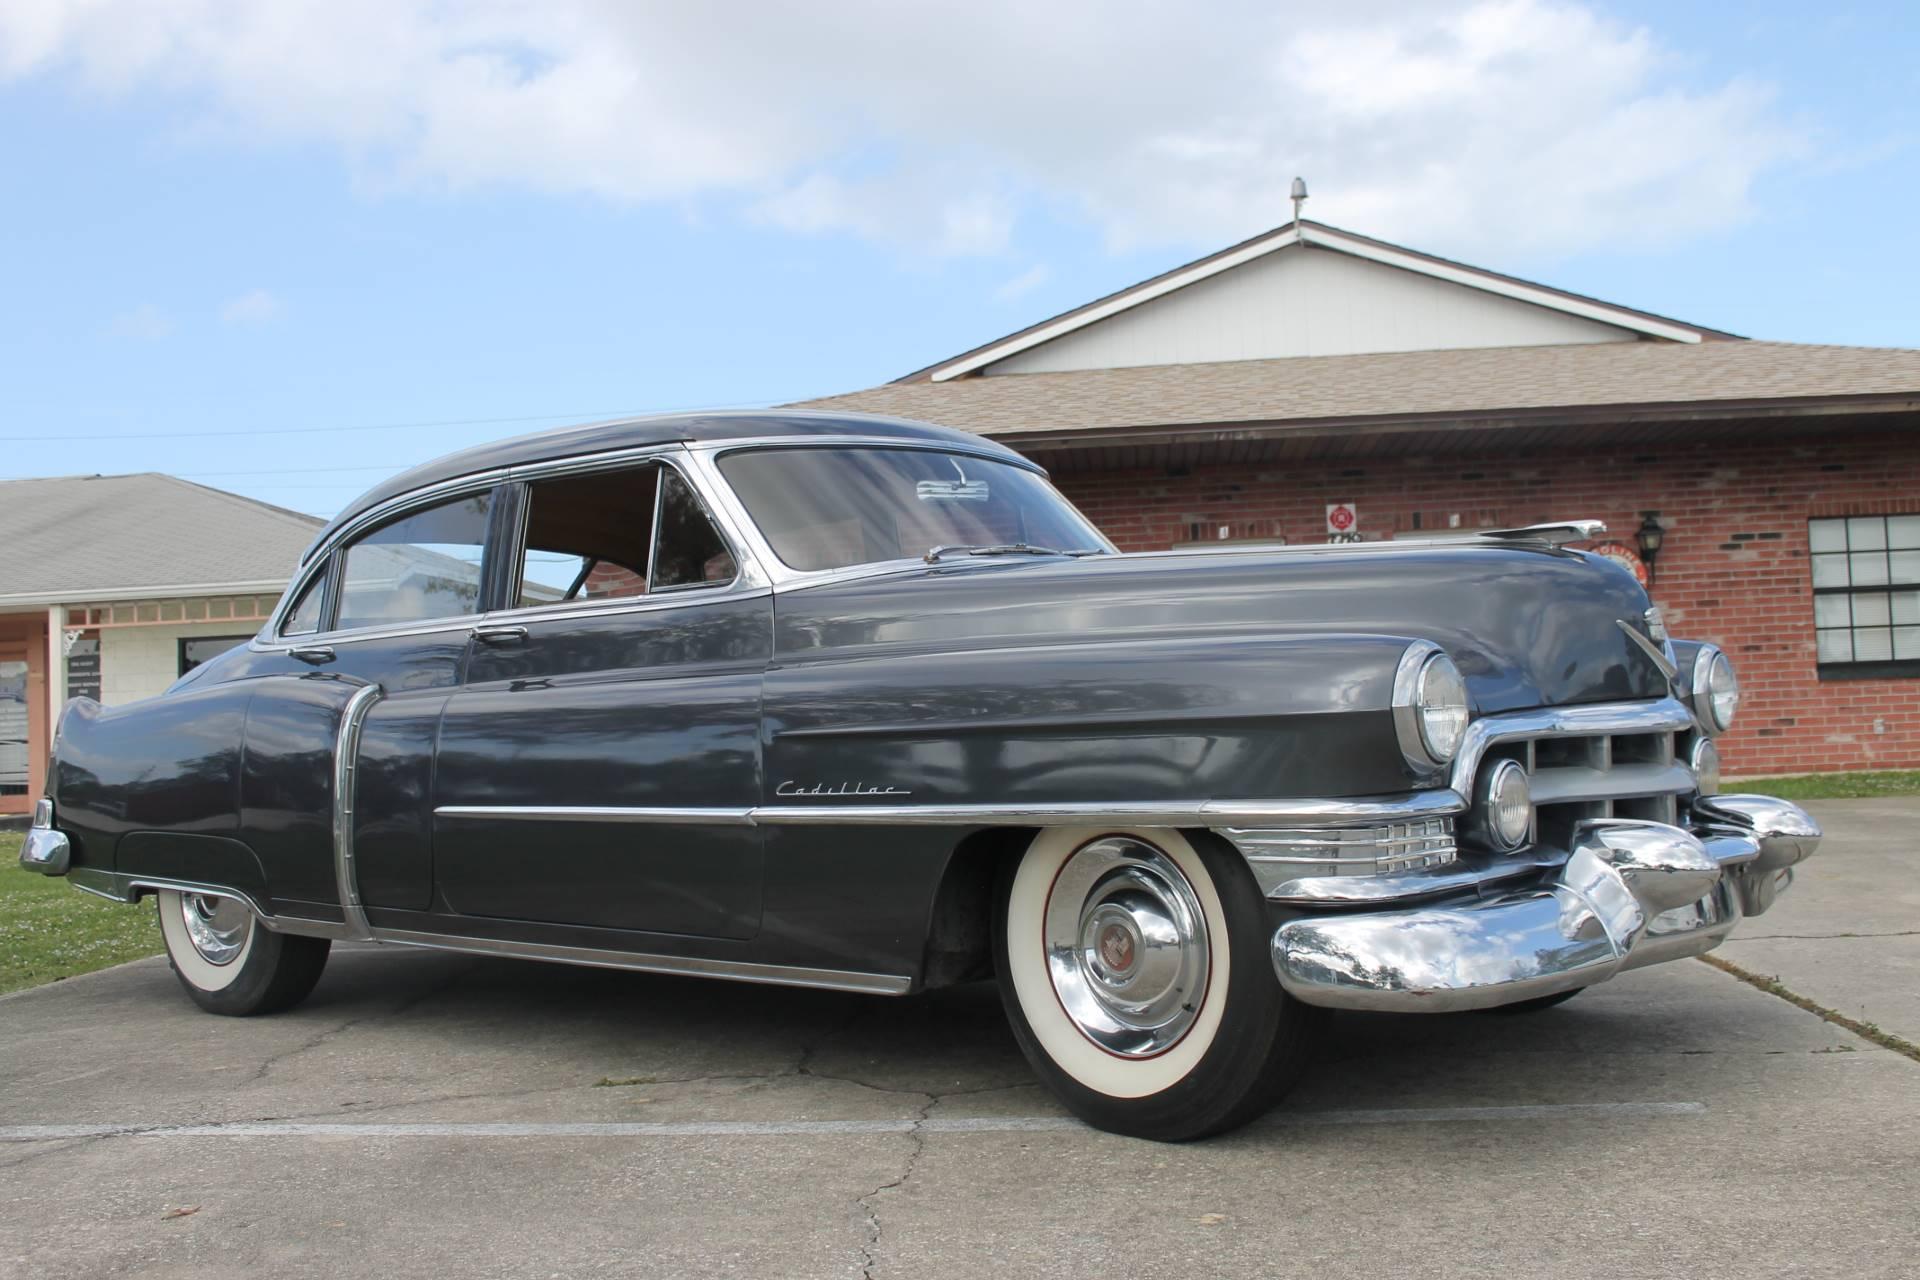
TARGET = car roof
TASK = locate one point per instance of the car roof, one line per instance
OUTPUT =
(632, 433)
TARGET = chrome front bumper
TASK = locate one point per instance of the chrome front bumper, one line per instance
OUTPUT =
(1630, 894)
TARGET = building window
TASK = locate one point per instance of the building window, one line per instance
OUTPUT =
(1866, 595)
(195, 650)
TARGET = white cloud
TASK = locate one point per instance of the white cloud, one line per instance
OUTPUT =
(1024, 283)
(1522, 125)
(144, 323)
(253, 308)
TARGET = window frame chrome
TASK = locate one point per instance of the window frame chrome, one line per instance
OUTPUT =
(705, 457)
(749, 580)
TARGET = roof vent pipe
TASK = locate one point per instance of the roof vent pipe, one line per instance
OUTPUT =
(1299, 197)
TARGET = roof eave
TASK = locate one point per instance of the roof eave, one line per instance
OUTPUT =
(113, 595)
(1488, 419)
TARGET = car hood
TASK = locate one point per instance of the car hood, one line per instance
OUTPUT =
(1527, 626)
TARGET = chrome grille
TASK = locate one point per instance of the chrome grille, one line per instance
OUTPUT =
(1590, 764)
(1281, 855)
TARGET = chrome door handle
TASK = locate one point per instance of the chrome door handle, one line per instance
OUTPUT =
(316, 655)
(500, 636)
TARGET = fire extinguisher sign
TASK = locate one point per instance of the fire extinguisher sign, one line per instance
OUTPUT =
(1343, 522)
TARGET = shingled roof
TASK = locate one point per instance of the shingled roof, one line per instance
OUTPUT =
(1303, 393)
(75, 538)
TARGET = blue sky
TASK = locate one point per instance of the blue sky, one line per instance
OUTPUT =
(224, 237)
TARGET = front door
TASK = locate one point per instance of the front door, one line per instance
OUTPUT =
(597, 766)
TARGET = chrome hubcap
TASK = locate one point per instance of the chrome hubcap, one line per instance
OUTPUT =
(1126, 946)
(217, 927)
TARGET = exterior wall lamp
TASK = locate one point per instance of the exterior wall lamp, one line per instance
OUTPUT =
(1651, 538)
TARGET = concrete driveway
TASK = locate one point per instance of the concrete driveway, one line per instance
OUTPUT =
(440, 1116)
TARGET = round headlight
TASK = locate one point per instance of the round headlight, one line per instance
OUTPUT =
(1716, 690)
(1705, 764)
(1506, 805)
(1441, 699)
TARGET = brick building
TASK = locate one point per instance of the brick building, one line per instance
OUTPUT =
(114, 587)
(1272, 391)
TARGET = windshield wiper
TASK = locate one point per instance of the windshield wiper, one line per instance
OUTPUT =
(935, 554)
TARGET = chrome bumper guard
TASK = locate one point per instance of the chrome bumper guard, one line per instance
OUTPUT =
(1631, 893)
(45, 850)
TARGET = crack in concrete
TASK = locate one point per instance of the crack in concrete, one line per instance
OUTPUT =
(314, 1042)
(1868, 1031)
(870, 1203)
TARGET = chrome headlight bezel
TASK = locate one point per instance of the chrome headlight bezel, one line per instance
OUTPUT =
(1430, 708)
(1713, 690)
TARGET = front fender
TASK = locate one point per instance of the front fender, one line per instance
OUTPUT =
(1241, 717)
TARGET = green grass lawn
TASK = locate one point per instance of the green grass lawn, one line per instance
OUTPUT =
(1833, 786)
(50, 930)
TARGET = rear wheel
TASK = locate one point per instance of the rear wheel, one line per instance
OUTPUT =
(228, 963)
(1135, 969)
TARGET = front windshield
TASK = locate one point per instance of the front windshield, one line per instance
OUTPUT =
(833, 507)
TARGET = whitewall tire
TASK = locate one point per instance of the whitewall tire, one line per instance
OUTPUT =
(1133, 965)
(231, 964)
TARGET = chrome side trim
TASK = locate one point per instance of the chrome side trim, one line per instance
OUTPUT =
(594, 813)
(346, 747)
(885, 984)
(1179, 813)
(611, 605)
(1189, 813)
(1583, 721)
(124, 887)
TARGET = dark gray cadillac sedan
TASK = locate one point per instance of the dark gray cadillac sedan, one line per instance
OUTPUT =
(859, 703)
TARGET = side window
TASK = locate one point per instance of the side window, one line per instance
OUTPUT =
(304, 618)
(587, 536)
(690, 553)
(424, 566)
(600, 537)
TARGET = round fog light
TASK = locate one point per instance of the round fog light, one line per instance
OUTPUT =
(1506, 805)
(1705, 764)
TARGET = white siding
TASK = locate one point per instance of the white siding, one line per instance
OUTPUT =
(138, 662)
(1310, 301)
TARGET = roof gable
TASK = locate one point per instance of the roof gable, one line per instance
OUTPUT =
(77, 538)
(1252, 301)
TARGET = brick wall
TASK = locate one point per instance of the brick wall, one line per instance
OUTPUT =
(1734, 569)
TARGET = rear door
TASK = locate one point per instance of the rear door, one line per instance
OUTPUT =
(598, 764)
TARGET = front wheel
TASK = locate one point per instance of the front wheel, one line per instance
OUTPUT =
(1135, 969)
(231, 965)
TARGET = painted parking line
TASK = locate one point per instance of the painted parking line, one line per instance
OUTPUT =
(802, 1128)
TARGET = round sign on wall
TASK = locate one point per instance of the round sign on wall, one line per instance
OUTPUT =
(1627, 558)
